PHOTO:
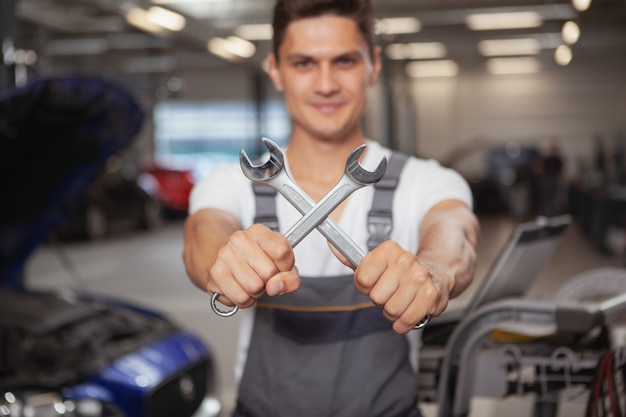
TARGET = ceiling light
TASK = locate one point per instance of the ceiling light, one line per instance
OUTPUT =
(513, 20)
(581, 5)
(231, 48)
(416, 50)
(138, 17)
(563, 55)
(166, 18)
(524, 65)
(504, 47)
(570, 32)
(260, 32)
(438, 68)
(398, 25)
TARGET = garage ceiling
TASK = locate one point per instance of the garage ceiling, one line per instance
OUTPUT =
(95, 34)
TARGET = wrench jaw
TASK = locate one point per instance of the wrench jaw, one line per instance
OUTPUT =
(267, 170)
(360, 174)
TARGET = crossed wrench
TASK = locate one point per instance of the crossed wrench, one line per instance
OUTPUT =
(273, 173)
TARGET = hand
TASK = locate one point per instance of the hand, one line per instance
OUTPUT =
(253, 262)
(395, 280)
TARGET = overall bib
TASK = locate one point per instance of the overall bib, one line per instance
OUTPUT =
(326, 350)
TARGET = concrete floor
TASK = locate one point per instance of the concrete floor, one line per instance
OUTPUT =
(146, 267)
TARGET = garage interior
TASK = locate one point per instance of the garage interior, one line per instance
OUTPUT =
(448, 91)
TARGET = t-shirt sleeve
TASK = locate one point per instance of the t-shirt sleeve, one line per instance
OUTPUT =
(432, 183)
(226, 188)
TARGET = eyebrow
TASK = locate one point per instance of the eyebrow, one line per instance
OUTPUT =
(297, 55)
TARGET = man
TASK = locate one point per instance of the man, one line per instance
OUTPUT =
(299, 353)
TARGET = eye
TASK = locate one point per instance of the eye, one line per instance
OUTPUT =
(346, 61)
(303, 63)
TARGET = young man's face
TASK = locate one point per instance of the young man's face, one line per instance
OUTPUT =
(324, 72)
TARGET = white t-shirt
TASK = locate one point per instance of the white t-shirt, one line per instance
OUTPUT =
(423, 183)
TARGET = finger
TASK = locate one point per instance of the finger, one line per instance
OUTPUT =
(383, 290)
(410, 317)
(283, 283)
(368, 272)
(340, 256)
(399, 302)
(278, 249)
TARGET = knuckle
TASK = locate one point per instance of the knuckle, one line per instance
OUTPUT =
(256, 288)
(406, 260)
(376, 297)
(218, 270)
(404, 323)
(364, 279)
(281, 251)
(400, 328)
(242, 299)
(266, 270)
(238, 238)
(391, 311)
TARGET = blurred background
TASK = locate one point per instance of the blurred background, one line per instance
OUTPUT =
(488, 87)
(525, 98)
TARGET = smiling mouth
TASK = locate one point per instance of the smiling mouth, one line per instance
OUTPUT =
(327, 108)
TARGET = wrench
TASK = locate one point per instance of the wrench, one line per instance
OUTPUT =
(355, 177)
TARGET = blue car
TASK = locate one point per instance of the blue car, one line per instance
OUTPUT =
(69, 353)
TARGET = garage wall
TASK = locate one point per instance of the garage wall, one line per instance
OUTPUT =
(565, 104)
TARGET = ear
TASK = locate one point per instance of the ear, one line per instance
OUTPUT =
(273, 72)
(376, 66)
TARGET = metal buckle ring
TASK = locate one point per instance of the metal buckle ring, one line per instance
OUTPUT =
(219, 312)
(422, 323)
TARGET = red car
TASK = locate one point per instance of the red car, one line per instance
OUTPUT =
(170, 186)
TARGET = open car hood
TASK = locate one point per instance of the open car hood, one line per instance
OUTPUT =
(55, 137)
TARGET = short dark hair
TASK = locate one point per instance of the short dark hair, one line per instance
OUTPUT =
(360, 11)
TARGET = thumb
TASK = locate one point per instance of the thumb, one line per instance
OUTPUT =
(283, 283)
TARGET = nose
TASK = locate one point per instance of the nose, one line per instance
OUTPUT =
(326, 82)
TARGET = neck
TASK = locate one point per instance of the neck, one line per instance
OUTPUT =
(317, 165)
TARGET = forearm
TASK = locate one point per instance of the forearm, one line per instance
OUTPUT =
(448, 240)
(205, 232)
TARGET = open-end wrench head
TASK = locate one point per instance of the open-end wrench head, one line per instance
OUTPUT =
(266, 170)
(360, 174)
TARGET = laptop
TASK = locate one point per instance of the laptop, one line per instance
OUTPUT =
(526, 253)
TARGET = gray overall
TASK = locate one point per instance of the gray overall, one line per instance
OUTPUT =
(326, 350)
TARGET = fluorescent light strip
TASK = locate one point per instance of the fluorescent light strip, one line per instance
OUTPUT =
(429, 69)
(504, 66)
(166, 18)
(231, 48)
(260, 32)
(506, 47)
(138, 17)
(416, 50)
(513, 20)
(398, 25)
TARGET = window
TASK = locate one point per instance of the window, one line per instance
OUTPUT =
(201, 135)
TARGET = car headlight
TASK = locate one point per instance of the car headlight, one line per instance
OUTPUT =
(51, 404)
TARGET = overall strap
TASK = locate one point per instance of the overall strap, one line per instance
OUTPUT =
(265, 202)
(380, 217)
